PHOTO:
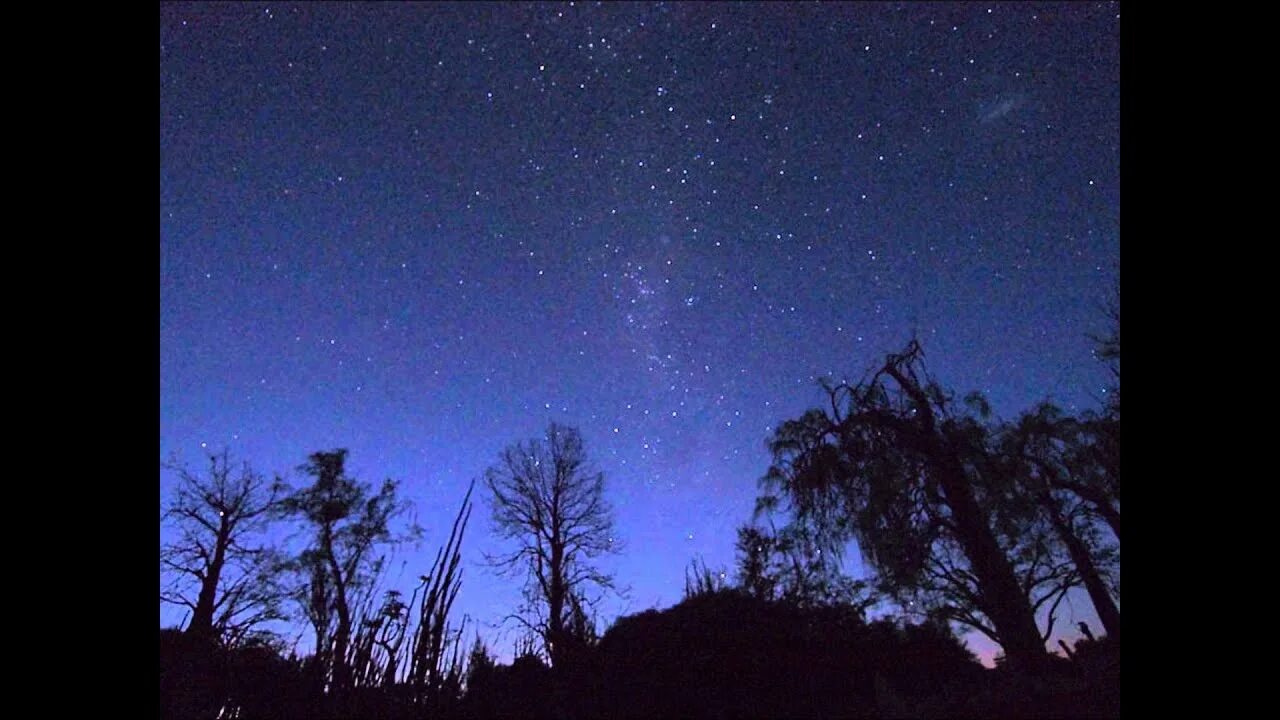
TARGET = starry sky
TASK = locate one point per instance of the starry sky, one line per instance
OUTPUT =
(423, 231)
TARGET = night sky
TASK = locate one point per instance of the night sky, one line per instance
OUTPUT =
(422, 232)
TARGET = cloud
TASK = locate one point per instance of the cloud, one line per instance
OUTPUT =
(1002, 106)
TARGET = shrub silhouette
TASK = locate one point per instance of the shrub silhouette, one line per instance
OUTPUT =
(719, 654)
(200, 679)
(522, 689)
(726, 654)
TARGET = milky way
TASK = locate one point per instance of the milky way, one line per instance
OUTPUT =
(422, 232)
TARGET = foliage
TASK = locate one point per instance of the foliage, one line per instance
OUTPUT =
(1051, 458)
(789, 565)
(348, 520)
(702, 580)
(480, 667)
(727, 654)
(917, 480)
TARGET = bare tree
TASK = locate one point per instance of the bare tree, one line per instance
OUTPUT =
(550, 503)
(217, 564)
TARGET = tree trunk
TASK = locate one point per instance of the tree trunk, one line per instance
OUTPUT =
(342, 636)
(556, 602)
(1002, 600)
(1110, 515)
(1097, 499)
(202, 619)
(1108, 614)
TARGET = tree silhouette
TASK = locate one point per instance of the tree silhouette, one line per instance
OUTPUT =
(757, 573)
(895, 466)
(548, 501)
(1043, 451)
(218, 567)
(348, 520)
(480, 667)
(788, 564)
(1102, 429)
(1108, 351)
